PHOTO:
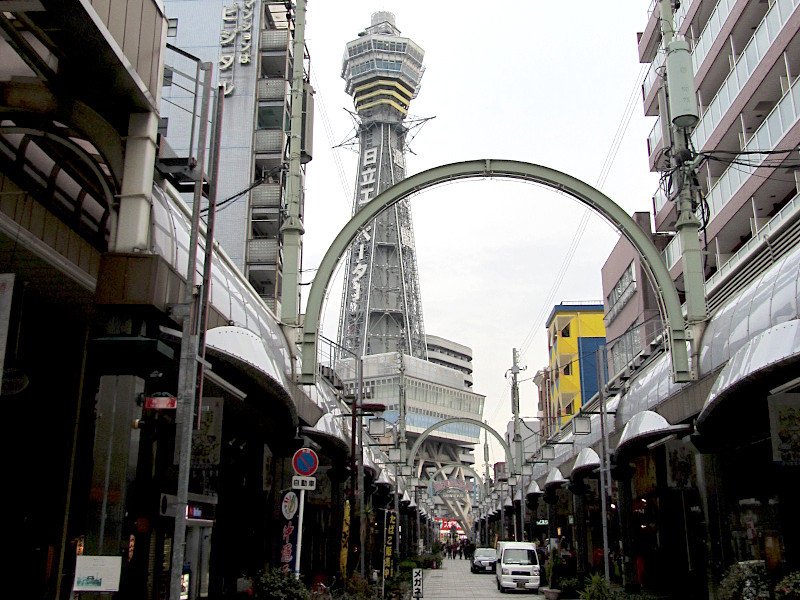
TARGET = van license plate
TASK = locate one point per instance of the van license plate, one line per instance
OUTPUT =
(521, 584)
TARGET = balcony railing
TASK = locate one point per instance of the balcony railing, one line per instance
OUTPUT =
(273, 89)
(274, 39)
(652, 75)
(787, 214)
(769, 28)
(711, 31)
(659, 199)
(270, 141)
(262, 251)
(655, 136)
(680, 14)
(267, 195)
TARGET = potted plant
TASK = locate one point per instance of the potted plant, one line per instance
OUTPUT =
(552, 572)
(272, 584)
(745, 580)
(596, 588)
(788, 588)
(569, 586)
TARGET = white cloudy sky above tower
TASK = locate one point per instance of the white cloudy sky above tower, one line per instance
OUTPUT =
(542, 82)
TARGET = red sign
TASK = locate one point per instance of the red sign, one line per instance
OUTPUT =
(305, 462)
(160, 402)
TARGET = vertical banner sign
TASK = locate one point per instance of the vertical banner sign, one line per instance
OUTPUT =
(416, 583)
(388, 552)
(345, 539)
(289, 506)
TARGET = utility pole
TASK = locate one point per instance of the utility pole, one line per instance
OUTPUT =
(682, 114)
(292, 229)
(517, 435)
(488, 494)
(187, 370)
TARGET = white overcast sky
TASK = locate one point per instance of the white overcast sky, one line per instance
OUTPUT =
(542, 82)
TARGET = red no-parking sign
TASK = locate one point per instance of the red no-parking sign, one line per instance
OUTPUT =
(305, 462)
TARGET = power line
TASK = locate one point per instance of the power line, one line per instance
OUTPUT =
(581, 229)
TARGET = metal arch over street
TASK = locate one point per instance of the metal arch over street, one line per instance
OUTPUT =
(651, 257)
(460, 466)
(418, 443)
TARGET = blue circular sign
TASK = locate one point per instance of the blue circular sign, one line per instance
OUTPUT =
(305, 462)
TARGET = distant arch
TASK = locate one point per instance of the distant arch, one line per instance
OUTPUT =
(460, 466)
(438, 425)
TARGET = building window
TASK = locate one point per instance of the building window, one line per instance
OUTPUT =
(167, 76)
(172, 27)
(619, 295)
(163, 123)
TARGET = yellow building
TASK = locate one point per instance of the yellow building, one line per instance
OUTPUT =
(575, 332)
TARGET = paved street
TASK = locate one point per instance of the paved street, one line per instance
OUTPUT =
(454, 580)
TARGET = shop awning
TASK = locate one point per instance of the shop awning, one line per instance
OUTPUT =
(587, 461)
(554, 478)
(533, 489)
(767, 352)
(646, 427)
(329, 429)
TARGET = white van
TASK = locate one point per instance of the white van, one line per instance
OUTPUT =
(517, 566)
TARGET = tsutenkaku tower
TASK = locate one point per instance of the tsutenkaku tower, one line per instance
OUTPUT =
(381, 307)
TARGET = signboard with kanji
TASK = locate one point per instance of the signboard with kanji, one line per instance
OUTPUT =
(289, 505)
(416, 583)
(388, 554)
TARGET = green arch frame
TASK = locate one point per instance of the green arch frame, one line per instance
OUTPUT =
(651, 258)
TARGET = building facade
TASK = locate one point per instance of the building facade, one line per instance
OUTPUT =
(95, 237)
(700, 470)
(251, 50)
(450, 354)
(575, 332)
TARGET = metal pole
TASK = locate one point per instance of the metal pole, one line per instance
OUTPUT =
(292, 229)
(517, 435)
(396, 544)
(362, 525)
(687, 224)
(187, 372)
(402, 441)
(299, 534)
(209, 249)
(419, 539)
(604, 470)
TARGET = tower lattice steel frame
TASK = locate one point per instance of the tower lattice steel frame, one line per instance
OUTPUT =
(381, 305)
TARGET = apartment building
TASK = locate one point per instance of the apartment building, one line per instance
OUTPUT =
(250, 47)
(575, 331)
(746, 59)
(721, 495)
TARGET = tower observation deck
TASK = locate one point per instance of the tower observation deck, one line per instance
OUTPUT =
(381, 307)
